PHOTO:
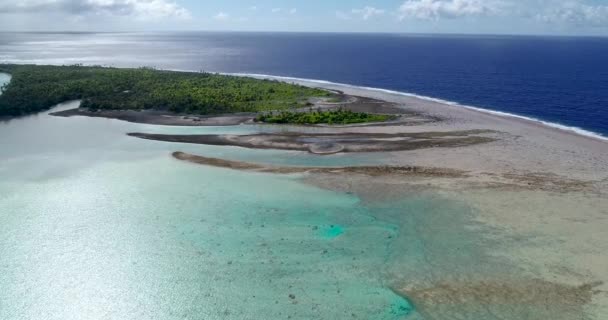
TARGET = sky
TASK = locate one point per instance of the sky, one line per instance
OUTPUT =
(554, 17)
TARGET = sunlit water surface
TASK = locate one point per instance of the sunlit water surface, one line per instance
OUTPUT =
(99, 225)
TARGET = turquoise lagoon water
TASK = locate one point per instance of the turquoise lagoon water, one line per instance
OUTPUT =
(99, 225)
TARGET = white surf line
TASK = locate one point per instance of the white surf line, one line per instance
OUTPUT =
(577, 130)
(572, 129)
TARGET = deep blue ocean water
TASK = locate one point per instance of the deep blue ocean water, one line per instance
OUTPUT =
(556, 79)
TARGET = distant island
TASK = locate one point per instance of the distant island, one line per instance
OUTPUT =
(35, 88)
(162, 97)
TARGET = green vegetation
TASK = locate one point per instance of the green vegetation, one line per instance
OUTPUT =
(335, 116)
(36, 88)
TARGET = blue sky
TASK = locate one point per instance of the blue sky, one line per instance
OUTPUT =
(570, 17)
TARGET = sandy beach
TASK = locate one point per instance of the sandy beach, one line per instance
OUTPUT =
(526, 145)
(516, 145)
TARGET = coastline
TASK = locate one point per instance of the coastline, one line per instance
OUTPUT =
(332, 143)
(414, 97)
(161, 118)
(526, 146)
(411, 97)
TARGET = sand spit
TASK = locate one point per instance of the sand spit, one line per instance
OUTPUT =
(320, 143)
(441, 177)
(524, 145)
(365, 170)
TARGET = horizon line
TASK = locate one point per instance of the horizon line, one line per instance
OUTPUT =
(317, 32)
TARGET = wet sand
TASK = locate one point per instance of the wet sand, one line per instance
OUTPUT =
(364, 170)
(331, 143)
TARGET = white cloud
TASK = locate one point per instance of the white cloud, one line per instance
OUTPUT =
(221, 16)
(293, 11)
(364, 13)
(368, 12)
(576, 13)
(253, 8)
(435, 9)
(143, 9)
(275, 10)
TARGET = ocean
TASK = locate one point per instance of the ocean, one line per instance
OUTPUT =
(559, 80)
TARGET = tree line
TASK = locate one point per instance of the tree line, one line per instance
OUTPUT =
(35, 88)
(334, 116)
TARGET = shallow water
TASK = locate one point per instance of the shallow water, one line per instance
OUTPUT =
(157, 239)
(99, 225)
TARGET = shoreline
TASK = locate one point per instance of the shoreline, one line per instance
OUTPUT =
(332, 143)
(161, 118)
(373, 171)
(444, 178)
(324, 84)
(338, 87)
(524, 146)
